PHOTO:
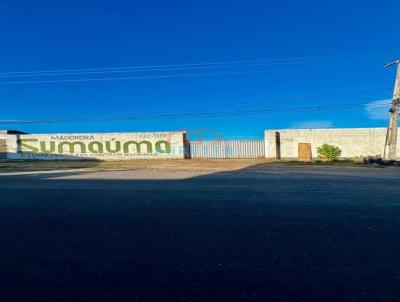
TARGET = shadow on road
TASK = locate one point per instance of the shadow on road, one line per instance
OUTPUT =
(257, 234)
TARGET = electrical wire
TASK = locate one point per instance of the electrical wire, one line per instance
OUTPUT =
(280, 100)
(146, 77)
(194, 114)
(77, 73)
(215, 63)
(285, 99)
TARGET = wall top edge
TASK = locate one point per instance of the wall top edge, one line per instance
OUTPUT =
(97, 133)
(325, 129)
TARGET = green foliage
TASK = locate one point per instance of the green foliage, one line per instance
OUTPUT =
(329, 152)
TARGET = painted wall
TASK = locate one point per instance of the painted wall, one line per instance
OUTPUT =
(104, 146)
(3, 146)
(353, 142)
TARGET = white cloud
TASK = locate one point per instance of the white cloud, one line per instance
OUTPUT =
(312, 124)
(378, 110)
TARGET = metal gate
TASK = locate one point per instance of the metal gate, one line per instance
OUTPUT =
(228, 149)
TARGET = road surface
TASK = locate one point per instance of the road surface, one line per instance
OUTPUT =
(265, 232)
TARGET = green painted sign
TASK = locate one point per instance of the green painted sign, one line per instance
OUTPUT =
(34, 146)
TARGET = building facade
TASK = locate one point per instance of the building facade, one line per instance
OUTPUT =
(354, 142)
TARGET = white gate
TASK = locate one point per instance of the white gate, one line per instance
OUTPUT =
(228, 149)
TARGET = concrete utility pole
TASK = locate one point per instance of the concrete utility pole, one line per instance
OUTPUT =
(391, 136)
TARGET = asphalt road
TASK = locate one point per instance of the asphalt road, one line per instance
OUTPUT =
(264, 233)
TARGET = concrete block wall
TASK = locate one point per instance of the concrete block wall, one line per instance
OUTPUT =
(3, 145)
(354, 142)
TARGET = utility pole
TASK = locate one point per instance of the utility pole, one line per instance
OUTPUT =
(391, 136)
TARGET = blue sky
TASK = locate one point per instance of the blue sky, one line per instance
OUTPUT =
(342, 46)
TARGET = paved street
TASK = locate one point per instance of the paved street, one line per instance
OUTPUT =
(261, 233)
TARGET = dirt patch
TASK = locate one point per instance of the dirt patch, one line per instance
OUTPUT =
(185, 165)
(206, 165)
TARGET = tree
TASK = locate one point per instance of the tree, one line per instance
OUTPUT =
(329, 152)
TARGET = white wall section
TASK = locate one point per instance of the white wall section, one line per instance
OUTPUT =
(354, 142)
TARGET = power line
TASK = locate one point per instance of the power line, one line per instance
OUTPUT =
(159, 76)
(289, 59)
(146, 77)
(242, 112)
(275, 100)
(280, 100)
(287, 99)
(166, 68)
(194, 114)
(129, 70)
